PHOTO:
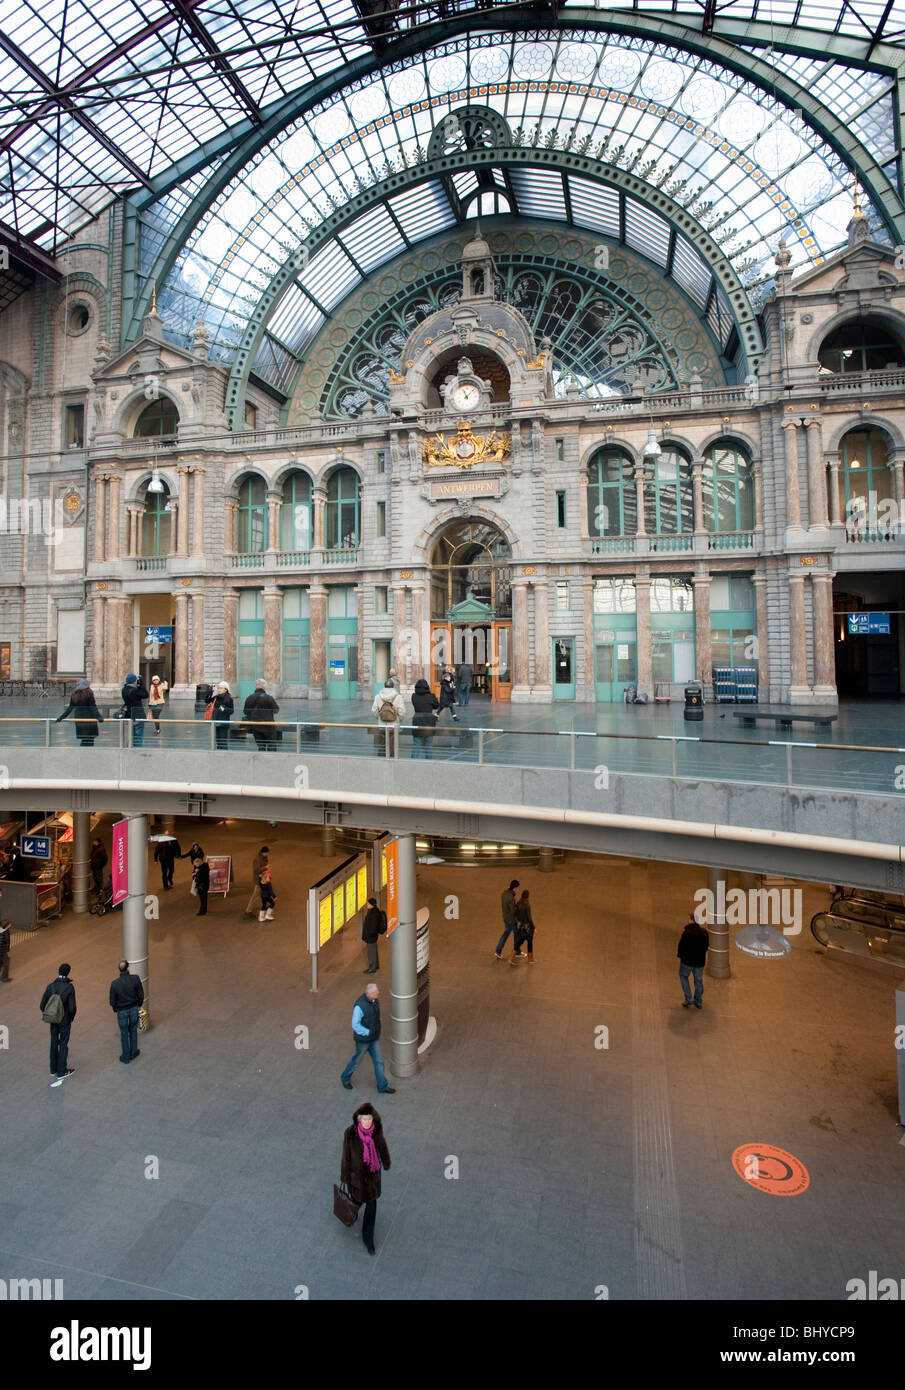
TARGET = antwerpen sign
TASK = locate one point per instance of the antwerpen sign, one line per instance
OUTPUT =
(464, 487)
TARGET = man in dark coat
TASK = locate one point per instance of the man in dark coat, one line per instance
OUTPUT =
(166, 852)
(126, 996)
(133, 692)
(366, 1032)
(465, 677)
(510, 920)
(424, 702)
(202, 877)
(261, 708)
(59, 1032)
(4, 951)
(692, 953)
(364, 1153)
(372, 929)
(98, 863)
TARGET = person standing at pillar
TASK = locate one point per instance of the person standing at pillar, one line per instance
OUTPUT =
(156, 700)
(259, 709)
(524, 931)
(260, 861)
(223, 713)
(4, 951)
(166, 852)
(465, 677)
(133, 692)
(510, 917)
(87, 715)
(424, 703)
(692, 953)
(372, 929)
(127, 994)
(202, 881)
(98, 863)
(59, 1030)
(366, 1032)
(364, 1153)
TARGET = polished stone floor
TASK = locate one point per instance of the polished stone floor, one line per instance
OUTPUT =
(578, 1166)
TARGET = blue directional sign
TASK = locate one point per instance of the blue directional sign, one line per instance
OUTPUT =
(159, 634)
(872, 624)
(35, 846)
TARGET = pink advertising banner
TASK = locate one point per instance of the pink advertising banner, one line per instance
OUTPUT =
(120, 861)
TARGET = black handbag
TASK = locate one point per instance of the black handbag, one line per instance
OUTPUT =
(344, 1205)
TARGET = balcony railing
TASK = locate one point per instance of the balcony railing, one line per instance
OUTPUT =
(247, 562)
(855, 535)
(150, 562)
(292, 559)
(660, 545)
(341, 555)
(671, 543)
(730, 540)
(892, 379)
(612, 545)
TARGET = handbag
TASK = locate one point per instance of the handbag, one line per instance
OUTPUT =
(194, 889)
(209, 712)
(344, 1205)
(122, 712)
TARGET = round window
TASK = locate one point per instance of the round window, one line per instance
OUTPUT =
(78, 318)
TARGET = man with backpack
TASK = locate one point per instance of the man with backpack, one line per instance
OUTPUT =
(389, 707)
(58, 1009)
(373, 927)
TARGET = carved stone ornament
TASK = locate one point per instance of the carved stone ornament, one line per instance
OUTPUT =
(466, 449)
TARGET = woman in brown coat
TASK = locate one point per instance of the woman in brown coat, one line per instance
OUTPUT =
(364, 1153)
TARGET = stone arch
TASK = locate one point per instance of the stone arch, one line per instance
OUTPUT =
(285, 470)
(857, 422)
(137, 489)
(729, 436)
(245, 473)
(127, 413)
(893, 319)
(616, 442)
(429, 535)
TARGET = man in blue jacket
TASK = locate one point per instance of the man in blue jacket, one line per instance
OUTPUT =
(366, 1032)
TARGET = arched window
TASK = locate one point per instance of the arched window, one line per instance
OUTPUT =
(669, 499)
(865, 472)
(251, 522)
(728, 489)
(341, 519)
(470, 561)
(156, 523)
(860, 347)
(295, 513)
(160, 417)
(612, 498)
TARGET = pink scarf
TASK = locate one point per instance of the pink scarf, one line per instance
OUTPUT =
(370, 1150)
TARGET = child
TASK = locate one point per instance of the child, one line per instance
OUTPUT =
(268, 898)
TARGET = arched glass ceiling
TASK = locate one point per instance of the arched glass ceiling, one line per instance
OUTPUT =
(748, 167)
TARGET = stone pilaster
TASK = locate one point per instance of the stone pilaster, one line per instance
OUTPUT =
(697, 487)
(183, 513)
(824, 638)
(758, 480)
(402, 645)
(181, 640)
(231, 639)
(799, 690)
(421, 634)
(836, 509)
(116, 483)
(702, 637)
(760, 608)
(98, 674)
(817, 511)
(521, 688)
(100, 517)
(273, 636)
(642, 623)
(589, 674)
(274, 501)
(317, 683)
(196, 671)
(793, 495)
(319, 496)
(542, 654)
(639, 496)
(198, 512)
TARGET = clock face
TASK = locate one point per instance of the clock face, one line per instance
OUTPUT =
(466, 397)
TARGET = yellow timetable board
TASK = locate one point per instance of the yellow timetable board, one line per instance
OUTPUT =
(339, 915)
(326, 921)
(362, 886)
(351, 905)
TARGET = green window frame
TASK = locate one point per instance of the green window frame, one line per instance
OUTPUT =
(670, 495)
(728, 489)
(612, 497)
(865, 470)
(156, 527)
(296, 526)
(251, 518)
(342, 510)
(160, 417)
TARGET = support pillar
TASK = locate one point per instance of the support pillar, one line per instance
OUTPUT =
(587, 608)
(181, 640)
(718, 961)
(817, 514)
(274, 501)
(81, 857)
(542, 654)
(798, 652)
(521, 689)
(824, 637)
(182, 548)
(835, 502)
(757, 475)
(100, 518)
(230, 638)
(135, 923)
(404, 987)
(642, 636)
(639, 497)
(402, 645)
(364, 664)
(273, 635)
(421, 636)
(317, 671)
(760, 609)
(198, 511)
(196, 672)
(328, 842)
(115, 487)
(702, 637)
(320, 497)
(697, 488)
(793, 495)
(545, 861)
(98, 645)
(133, 532)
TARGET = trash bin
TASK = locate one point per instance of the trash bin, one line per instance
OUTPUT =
(694, 701)
(203, 695)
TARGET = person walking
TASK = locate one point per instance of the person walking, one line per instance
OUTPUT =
(157, 698)
(448, 692)
(201, 878)
(390, 709)
(465, 678)
(133, 692)
(83, 705)
(59, 1031)
(268, 897)
(193, 852)
(261, 859)
(223, 713)
(366, 1032)
(126, 996)
(364, 1153)
(4, 951)
(166, 852)
(510, 917)
(424, 703)
(98, 862)
(692, 952)
(259, 709)
(524, 929)
(372, 929)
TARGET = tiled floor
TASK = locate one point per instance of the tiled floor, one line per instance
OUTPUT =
(577, 1167)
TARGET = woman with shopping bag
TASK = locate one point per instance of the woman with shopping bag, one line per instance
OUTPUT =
(365, 1152)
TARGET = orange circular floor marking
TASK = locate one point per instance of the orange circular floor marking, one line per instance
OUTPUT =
(771, 1170)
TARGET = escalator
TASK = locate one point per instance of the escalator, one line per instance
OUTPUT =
(868, 925)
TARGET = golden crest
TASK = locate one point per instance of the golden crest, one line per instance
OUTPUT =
(467, 449)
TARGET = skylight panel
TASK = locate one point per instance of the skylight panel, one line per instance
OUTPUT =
(594, 206)
(330, 275)
(539, 193)
(423, 211)
(690, 271)
(297, 318)
(646, 231)
(373, 238)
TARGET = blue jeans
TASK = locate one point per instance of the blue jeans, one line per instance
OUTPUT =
(464, 694)
(509, 927)
(128, 1031)
(698, 972)
(422, 748)
(138, 733)
(363, 1045)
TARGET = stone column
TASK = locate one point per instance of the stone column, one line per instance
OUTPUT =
(317, 680)
(542, 655)
(230, 513)
(420, 636)
(697, 488)
(364, 664)
(583, 484)
(273, 636)
(824, 637)
(174, 525)
(274, 501)
(126, 643)
(230, 638)
(115, 519)
(757, 477)
(198, 511)
(319, 496)
(836, 516)
(895, 469)
(402, 644)
(590, 638)
(798, 653)
(702, 638)
(817, 514)
(133, 532)
(521, 689)
(135, 923)
(81, 856)
(763, 665)
(196, 674)
(793, 496)
(100, 518)
(98, 644)
(182, 547)
(718, 957)
(639, 493)
(404, 986)
(181, 639)
(643, 638)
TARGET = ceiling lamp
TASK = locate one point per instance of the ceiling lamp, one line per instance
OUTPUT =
(651, 448)
(156, 483)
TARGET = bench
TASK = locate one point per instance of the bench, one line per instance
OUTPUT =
(785, 718)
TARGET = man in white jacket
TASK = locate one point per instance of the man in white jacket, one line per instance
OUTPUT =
(389, 708)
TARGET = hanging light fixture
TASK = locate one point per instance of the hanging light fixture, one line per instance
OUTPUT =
(652, 448)
(156, 483)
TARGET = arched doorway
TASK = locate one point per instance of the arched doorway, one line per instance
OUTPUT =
(471, 607)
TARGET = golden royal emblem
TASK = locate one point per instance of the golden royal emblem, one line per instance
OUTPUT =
(466, 449)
